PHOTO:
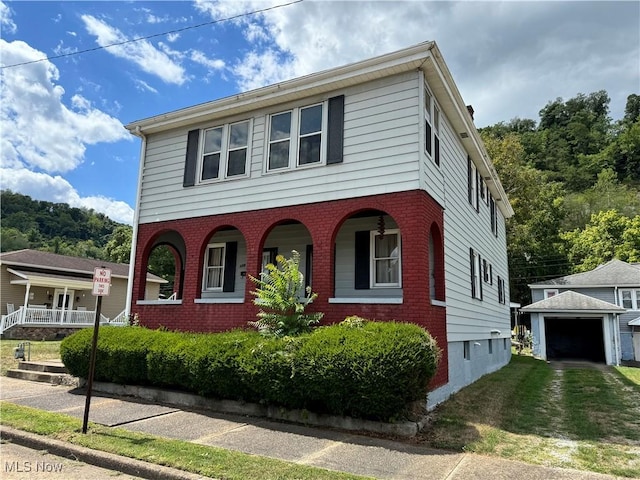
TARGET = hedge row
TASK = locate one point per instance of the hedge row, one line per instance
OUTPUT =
(358, 368)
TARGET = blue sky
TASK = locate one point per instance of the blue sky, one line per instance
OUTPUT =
(61, 120)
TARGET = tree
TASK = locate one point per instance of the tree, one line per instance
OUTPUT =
(608, 235)
(282, 299)
(118, 248)
(533, 244)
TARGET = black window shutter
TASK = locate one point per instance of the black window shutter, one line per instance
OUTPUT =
(362, 260)
(479, 277)
(191, 160)
(308, 268)
(477, 190)
(469, 179)
(437, 151)
(230, 254)
(473, 273)
(427, 136)
(335, 137)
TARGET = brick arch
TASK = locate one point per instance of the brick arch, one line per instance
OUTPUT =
(437, 256)
(162, 237)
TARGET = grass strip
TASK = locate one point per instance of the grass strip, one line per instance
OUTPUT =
(630, 376)
(201, 459)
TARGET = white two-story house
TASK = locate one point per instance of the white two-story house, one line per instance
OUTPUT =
(374, 172)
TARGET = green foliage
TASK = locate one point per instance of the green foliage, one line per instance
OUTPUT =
(54, 227)
(118, 248)
(358, 368)
(282, 299)
(608, 235)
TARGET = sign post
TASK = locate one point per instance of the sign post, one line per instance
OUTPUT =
(101, 286)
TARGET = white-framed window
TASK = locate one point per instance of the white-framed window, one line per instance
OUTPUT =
(550, 292)
(502, 298)
(473, 184)
(630, 299)
(214, 267)
(386, 265)
(427, 121)
(476, 272)
(225, 151)
(297, 137)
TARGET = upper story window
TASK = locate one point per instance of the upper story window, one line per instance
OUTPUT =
(386, 268)
(225, 151)
(427, 121)
(214, 267)
(296, 137)
(436, 135)
(472, 181)
(630, 299)
(550, 292)
(493, 212)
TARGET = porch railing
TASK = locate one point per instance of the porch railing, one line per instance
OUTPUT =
(30, 316)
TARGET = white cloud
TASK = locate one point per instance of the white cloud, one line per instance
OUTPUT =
(213, 63)
(38, 129)
(57, 189)
(507, 58)
(60, 49)
(172, 37)
(6, 22)
(144, 86)
(142, 52)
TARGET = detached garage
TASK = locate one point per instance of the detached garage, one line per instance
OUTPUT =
(573, 326)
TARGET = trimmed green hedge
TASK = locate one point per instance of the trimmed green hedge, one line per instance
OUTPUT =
(363, 369)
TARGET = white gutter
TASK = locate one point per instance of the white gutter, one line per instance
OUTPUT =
(136, 221)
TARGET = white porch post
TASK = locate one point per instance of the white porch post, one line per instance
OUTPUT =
(64, 304)
(26, 302)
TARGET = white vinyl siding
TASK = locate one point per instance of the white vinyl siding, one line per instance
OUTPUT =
(381, 155)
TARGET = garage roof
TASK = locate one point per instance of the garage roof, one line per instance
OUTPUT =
(572, 302)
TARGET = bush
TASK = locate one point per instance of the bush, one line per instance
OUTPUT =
(357, 368)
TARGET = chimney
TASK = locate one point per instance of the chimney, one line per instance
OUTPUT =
(470, 110)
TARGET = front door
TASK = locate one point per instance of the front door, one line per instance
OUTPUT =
(60, 299)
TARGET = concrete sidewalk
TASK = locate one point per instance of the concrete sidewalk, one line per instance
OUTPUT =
(333, 450)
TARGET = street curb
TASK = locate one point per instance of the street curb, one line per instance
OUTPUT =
(129, 466)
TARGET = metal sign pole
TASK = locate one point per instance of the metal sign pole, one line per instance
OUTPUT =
(92, 364)
(101, 285)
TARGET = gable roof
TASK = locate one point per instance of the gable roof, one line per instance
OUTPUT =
(614, 273)
(425, 56)
(64, 263)
(572, 302)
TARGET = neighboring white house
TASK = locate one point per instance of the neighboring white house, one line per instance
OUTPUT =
(589, 315)
(374, 172)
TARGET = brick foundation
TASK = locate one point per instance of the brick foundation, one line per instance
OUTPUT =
(415, 213)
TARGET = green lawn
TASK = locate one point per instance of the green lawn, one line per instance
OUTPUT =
(587, 419)
(39, 351)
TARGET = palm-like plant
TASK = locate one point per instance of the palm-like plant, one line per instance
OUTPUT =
(282, 299)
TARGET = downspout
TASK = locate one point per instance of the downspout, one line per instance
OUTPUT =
(616, 329)
(136, 219)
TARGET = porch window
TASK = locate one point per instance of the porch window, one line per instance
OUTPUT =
(385, 259)
(214, 267)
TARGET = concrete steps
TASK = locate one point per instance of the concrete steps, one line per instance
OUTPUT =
(53, 372)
